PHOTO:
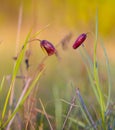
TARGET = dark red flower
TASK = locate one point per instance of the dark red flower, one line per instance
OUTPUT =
(48, 47)
(79, 40)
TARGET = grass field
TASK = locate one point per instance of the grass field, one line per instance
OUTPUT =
(70, 89)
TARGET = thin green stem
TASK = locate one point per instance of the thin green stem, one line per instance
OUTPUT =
(15, 71)
(96, 77)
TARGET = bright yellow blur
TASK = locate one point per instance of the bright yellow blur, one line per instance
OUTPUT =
(64, 16)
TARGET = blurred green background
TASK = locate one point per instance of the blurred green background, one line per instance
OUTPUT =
(64, 16)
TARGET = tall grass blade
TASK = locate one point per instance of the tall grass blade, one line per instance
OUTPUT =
(86, 57)
(2, 83)
(24, 97)
(85, 108)
(96, 77)
(37, 33)
(108, 74)
(58, 109)
(15, 71)
(87, 61)
(19, 27)
(68, 113)
(51, 128)
(78, 122)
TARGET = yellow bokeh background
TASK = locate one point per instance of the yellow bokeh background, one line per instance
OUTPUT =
(63, 16)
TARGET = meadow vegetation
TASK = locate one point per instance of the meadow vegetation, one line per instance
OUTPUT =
(47, 82)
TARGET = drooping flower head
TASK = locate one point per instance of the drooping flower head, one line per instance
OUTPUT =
(48, 47)
(79, 40)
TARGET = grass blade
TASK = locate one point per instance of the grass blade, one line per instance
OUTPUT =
(96, 77)
(37, 33)
(108, 73)
(15, 71)
(2, 83)
(58, 109)
(85, 108)
(51, 128)
(21, 101)
(68, 113)
(78, 122)
(88, 62)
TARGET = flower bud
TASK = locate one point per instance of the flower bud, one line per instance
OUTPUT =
(79, 40)
(48, 47)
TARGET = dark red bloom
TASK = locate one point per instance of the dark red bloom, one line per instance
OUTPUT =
(79, 40)
(48, 47)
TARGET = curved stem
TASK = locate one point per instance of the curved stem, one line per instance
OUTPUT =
(36, 39)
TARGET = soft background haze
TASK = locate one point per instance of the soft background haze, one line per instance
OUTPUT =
(63, 16)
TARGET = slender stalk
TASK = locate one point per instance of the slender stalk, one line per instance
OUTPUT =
(68, 113)
(1, 85)
(108, 74)
(22, 95)
(37, 33)
(85, 108)
(36, 39)
(15, 71)
(51, 128)
(17, 45)
(19, 27)
(96, 77)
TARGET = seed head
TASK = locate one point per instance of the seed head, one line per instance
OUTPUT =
(48, 47)
(65, 41)
(79, 40)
